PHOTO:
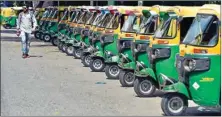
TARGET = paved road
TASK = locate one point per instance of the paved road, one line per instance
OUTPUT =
(51, 83)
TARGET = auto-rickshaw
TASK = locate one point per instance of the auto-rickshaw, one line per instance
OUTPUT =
(69, 38)
(84, 22)
(64, 28)
(10, 16)
(129, 32)
(128, 57)
(42, 22)
(197, 65)
(96, 29)
(164, 47)
(38, 14)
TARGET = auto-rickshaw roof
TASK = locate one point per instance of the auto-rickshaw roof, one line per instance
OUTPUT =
(210, 9)
(184, 11)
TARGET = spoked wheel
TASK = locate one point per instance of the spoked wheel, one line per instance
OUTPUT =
(69, 50)
(144, 87)
(174, 104)
(64, 46)
(77, 53)
(37, 34)
(55, 42)
(112, 71)
(97, 65)
(47, 38)
(126, 78)
(86, 60)
(7, 26)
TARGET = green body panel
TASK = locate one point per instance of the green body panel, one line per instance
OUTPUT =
(85, 40)
(208, 93)
(126, 55)
(113, 59)
(166, 65)
(10, 21)
(142, 57)
(98, 54)
(178, 87)
(78, 37)
(146, 72)
(111, 47)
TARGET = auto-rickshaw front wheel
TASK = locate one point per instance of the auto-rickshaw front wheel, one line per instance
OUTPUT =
(126, 78)
(69, 50)
(55, 41)
(37, 34)
(174, 104)
(86, 60)
(97, 65)
(64, 46)
(47, 37)
(144, 87)
(112, 71)
(7, 26)
(77, 52)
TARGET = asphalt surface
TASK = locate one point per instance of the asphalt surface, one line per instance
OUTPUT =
(51, 83)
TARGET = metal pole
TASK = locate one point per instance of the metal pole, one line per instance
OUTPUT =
(91, 2)
(140, 3)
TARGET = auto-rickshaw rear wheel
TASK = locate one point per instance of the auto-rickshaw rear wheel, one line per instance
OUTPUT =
(174, 104)
(86, 60)
(64, 47)
(97, 65)
(112, 71)
(7, 26)
(47, 37)
(126, 78)
(77, 53)
(144, 87)
(69, 50)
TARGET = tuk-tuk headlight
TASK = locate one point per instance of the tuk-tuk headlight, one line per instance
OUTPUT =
(109, 54)
(189, 65)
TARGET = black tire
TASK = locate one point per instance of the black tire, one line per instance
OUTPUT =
(55, 42)
(112, 71)
(174, 99)
(41, 36)
(86, 60)
(47, 37)
(140, 87)
(37, 34)
(94, 65)
(64, 46)
(77, 53)
(126, 78)
(7, 26)
(69, 50)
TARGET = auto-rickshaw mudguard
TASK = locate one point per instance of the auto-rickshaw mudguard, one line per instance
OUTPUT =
(146, 72)
(97, 54)
(178, 87)
(130, 65)
(113, 59)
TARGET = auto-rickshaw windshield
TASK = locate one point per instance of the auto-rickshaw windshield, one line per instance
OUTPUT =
(131, 24)
(167, 29)
(65, 16)
(112, 21)
(92, 18)
(55, 15)
(72, 16)
(203, 31)
(77, 17)
(45, 14)
(84, 17)
(105, 20)
(51, 14)
(148, 24)
(98, 18)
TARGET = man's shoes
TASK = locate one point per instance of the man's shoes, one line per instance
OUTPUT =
(27, 56)
(24, 55)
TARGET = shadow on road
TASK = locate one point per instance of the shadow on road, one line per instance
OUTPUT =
(8, 31)
(45, 45)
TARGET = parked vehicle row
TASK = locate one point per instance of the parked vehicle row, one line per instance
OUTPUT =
(175, 49)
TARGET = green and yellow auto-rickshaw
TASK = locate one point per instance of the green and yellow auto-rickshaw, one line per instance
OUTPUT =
(128, 33)
(10, 17)
(161, 54)
(197, 65)
(134, 50)
(96, 29)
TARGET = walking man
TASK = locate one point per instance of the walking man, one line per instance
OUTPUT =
(26, 24)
